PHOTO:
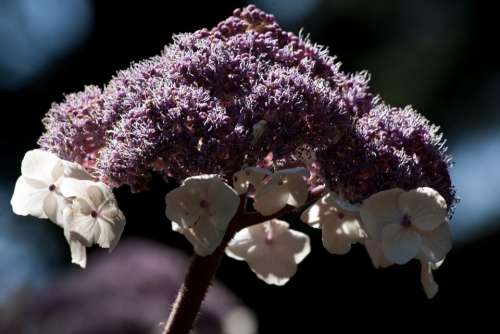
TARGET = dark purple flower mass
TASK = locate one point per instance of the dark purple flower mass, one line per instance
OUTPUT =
(192, 111)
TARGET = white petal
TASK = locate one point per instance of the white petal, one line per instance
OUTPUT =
(374, 249)
(270, 198)
(183, 206)
(77, 245)
(427, 279)
(76, 188)
(223, 201)
(78, 252)
(294, 242)
(28, 198)
(340, 228)
(298, 191)
(76, 171)
(437, 243)
(112, 223)
(272, 250)
(95, 195)
(426, 208)
(239, 246)
(338, 237)
(42, 166)
(314, 214)
(204, 236)
(86, 227)
(287, 186)
(51, 206)
(400, 244)
(249, 176)
(296, 185)
(379, 210)
(271, 266)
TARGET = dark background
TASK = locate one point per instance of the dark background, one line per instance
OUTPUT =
(439, 56)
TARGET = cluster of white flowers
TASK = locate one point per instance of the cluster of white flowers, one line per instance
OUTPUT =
(395, 226)
(202, 207)
(66, 194)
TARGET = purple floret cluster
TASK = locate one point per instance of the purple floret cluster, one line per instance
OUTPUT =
(193, 110)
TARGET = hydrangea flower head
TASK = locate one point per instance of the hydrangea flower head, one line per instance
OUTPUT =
(253, 122)
(236, 95)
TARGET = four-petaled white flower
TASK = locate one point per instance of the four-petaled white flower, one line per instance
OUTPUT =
(285, 187)
(340, 228)
(201, 209)
(37, 189)
(409, 224)
(94, 216)
(64, 192)
(250, 176)
(271, 249)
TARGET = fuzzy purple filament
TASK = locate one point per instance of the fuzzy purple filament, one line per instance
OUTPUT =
(192, 110)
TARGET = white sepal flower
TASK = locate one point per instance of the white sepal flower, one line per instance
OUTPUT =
(408, 223)
(201, 209)
(286, 187)
(340, 228)
(271, 249)
(94, 215)
(37, 189)
(254, 176)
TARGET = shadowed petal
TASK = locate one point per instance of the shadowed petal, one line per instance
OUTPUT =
(27, 199)
(379, 210)
(437, 243)
(40, 165)
(426, 208)
(400, 244)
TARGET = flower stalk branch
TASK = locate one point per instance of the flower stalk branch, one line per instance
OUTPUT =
(203, 268)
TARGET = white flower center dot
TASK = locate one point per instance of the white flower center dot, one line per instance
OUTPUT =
(93, 213)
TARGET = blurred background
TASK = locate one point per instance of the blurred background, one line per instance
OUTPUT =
(440, 56)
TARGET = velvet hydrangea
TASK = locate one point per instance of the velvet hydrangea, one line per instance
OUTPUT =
(194, 109)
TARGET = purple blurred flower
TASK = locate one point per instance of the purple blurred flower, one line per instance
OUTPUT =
(127, 292)
(192, 110)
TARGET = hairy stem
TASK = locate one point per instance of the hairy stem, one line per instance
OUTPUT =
(203, 268)
(192, 292)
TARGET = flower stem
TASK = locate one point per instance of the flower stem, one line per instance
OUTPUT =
(203, 268)
(192, 292)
